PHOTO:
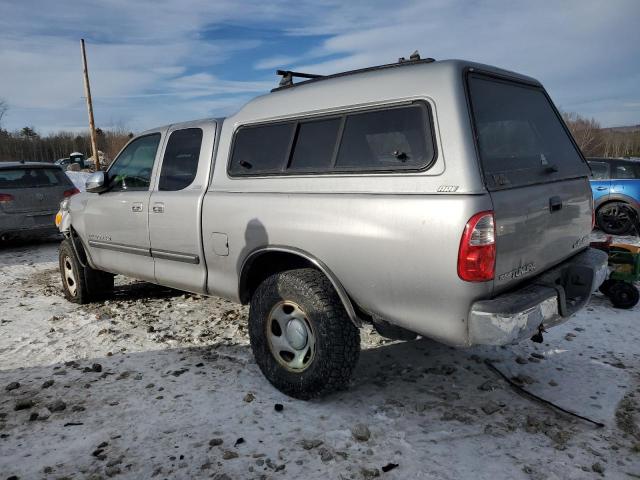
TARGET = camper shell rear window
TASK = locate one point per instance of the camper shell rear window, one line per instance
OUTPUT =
(520, 137)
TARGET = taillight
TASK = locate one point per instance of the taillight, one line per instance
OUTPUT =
(477, 253)
(71, 191)
(6, 198)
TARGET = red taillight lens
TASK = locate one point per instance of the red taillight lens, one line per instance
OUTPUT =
(71, 191)
(6, 198)
(477, 254)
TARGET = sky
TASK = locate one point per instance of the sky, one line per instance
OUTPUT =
(155, 62)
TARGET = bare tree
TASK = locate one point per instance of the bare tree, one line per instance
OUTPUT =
(585, 131)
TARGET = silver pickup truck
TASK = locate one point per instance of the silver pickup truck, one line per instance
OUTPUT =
(437, 198)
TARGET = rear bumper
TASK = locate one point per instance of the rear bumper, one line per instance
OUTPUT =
(16, 225)
(546, 301)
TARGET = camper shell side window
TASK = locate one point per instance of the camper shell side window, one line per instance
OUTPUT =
(390, 139)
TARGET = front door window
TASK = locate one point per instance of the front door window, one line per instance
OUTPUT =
(132, 169)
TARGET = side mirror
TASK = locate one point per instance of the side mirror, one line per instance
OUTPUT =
(97, 182)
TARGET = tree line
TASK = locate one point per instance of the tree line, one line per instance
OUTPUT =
(595, 141)
(26, 144)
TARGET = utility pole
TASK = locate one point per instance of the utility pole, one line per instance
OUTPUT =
(87, 93)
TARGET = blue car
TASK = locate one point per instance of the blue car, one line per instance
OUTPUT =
(616, 187)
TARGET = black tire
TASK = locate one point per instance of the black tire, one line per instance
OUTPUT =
(336, 339)
(614, 218)
(81, 284)
(623, 295)
(606, 286)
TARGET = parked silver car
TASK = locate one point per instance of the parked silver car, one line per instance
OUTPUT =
(30, 194)
(445, 199)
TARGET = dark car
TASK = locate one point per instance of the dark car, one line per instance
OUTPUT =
(30, 194)
(616, 192)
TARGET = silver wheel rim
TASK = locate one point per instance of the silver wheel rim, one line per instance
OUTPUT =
(69, 277)
(291, 338)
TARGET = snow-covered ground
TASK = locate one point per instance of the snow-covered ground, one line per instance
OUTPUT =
(158, 384)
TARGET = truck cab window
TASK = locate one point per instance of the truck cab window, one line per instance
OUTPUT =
(132, 169)
(180, 163)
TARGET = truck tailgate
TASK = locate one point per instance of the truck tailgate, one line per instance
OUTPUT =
(539, 226)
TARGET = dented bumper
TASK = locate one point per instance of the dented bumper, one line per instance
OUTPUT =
(547, 300)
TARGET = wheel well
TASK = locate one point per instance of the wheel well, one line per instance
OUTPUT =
(261, 265)
(258, 269)
(611, 201)
(631, 204)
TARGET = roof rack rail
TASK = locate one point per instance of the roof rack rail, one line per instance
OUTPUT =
(288, 75)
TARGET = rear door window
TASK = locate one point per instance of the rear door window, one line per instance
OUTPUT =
(391, 139)
(32, 177)
(599, 170)
(521, 139)
(181, 157)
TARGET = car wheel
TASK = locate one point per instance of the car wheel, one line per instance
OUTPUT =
(301, 336)
(81, 284)
(614, 218)
(623, 294)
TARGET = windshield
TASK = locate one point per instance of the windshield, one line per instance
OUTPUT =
(31, 177)
(521, 139)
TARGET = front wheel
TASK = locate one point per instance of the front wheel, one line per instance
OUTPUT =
(301, 336)
(81, 284)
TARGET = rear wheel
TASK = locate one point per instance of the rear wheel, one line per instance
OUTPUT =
(301, 337)
(623, 294)
(81, 284)
(614, 218)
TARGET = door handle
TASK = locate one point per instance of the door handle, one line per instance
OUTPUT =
(136, 207)
(601, 188)
(158, 207)
(555, 204)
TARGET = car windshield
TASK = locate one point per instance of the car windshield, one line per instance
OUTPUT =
(13, 178)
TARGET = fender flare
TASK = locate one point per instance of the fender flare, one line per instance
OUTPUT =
(337, 285)
(73, 235)
(618, 197)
